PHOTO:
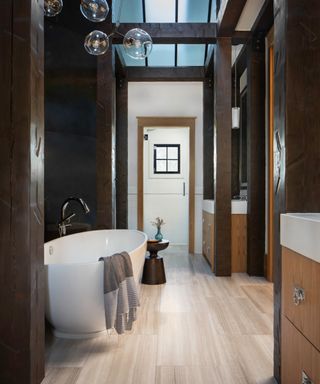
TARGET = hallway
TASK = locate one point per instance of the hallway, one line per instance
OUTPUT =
(195, 329)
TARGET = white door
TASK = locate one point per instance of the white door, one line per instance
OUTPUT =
(166, 182)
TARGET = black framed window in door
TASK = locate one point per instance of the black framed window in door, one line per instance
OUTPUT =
(166, 159)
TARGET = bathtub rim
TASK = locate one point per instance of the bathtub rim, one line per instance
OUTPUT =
(79, 234)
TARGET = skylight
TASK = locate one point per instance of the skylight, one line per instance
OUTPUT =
(165, 11)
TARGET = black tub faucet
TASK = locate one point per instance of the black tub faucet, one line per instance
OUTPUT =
(65, 220)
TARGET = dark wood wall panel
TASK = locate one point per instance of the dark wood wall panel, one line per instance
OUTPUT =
(106, 141)
(279, 197)
(21, 193)
(106, 134)
(122, 153)
(256, 157)
(302, 103)
(70, 118)
(208, 117)
(222, 148)
(297, 116)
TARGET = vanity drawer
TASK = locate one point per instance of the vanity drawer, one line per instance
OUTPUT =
(298, 356)
(301, 277)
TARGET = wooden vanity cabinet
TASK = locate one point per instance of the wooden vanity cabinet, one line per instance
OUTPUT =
(238, 239)
(238, 243)
(299, 357)
(300, 337)
(208, 237)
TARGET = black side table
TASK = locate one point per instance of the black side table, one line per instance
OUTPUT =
(153, 270)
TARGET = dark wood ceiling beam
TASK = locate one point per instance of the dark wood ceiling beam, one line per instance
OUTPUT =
(181, 33)
(228, 16)
(165, 74)
(172, 33)
(241, 37)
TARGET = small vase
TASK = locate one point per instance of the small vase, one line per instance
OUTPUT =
(158, 235)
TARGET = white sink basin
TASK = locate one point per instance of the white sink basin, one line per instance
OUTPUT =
(301, 233)
(238, 207)
(208, 206)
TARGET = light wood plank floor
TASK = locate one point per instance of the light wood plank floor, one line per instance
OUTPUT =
(196, 329)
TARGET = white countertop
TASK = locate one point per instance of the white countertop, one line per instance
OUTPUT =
(238, 207)
(300, 232)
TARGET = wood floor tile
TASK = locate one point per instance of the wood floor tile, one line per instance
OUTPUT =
(61, 375)
(195, 329)
(165, 375)
(100, 361)
(69, 353)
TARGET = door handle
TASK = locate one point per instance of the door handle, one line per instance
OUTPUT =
(184, 188)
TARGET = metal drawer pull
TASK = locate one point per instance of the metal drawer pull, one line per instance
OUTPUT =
(298, 295)
(306, 379)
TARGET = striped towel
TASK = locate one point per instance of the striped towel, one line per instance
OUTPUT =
(120, 292)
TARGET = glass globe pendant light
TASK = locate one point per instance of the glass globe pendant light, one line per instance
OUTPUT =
(137, 43)
(94, 10)
(96, 43)
(52, 7)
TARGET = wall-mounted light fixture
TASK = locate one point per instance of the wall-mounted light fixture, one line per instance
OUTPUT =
(137, 43)
(235, 109)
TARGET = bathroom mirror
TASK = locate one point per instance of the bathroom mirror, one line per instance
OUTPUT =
(243, 140)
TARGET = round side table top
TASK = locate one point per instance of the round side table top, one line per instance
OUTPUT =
(154, 246)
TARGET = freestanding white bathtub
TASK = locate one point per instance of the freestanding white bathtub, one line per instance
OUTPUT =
(74, 278)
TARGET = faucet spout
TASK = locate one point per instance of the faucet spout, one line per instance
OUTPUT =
(67, 202)
(65, 220)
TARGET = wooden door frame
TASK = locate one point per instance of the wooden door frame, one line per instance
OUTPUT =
(168, 122)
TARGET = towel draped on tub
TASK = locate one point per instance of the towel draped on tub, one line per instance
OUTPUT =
(120, 292)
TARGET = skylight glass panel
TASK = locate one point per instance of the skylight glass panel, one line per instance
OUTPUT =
(191, 11)
(160, 11)
(191, 55)
(131, 11)
(162, 55)
(129, 62)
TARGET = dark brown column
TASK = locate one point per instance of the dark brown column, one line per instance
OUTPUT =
(256, 157)
(296, 120)
(122, 149)
(106, 138)
(21, 193)
(208, 184)
(279, 197)
(222, 148)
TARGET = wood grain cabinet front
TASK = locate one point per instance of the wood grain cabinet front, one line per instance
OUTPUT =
(300, 360)
(301, 294)
(208, 237)
(239, 243)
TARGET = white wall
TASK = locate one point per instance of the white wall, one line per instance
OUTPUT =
(161, 99)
